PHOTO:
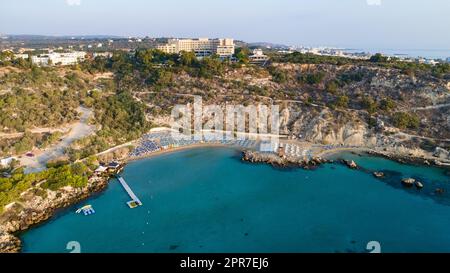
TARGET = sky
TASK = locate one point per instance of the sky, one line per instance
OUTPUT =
(396, 24)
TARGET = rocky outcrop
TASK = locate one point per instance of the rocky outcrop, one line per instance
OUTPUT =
(270, 158)
(351, 164)
(9, 243)
(408, 182)
(378, 174)
(409, 156)
(329, 127)
(277, 161)
(418, 185)
(441, 153)
(36, 209)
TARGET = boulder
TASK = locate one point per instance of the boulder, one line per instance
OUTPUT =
(351, 164)
(418, 185)
(408, 182)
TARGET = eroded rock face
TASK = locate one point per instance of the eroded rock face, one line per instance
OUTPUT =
(328, 128)
(9, 243)
(441, 153)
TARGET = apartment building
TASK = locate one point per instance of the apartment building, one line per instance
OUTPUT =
(258, 57)
(54, 58)
(202, 47)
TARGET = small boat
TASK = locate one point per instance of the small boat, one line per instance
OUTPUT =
(87, 210)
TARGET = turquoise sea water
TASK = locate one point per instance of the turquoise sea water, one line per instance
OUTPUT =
(207, 200)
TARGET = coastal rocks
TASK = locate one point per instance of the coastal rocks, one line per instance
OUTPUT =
(350, 163)
(409, 158)
(277, 161)
(441, 153)
(378, 174)
(408, 182)
(418, 185)
(9, 243)
(319, 160)
(35, 209)
(255, 157)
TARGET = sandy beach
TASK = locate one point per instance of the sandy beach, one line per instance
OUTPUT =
(177, 149)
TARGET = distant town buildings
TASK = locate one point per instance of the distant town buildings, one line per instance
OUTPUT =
(202, 47)
(21, 56)
(335, 52)
(258, 57)
(102, 54)
(54, 58)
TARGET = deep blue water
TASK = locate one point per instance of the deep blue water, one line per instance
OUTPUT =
(207, 200)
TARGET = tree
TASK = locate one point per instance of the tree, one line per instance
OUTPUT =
(278, 75)
(210, 66)
(369, 104)
(242, 54)
(6, 57)
(404, 120)
(315, 78)
(332, 87)
(26, 143)
(79, 169)
(188, 58)
(378, 58)
(342, 101)
(387, 104)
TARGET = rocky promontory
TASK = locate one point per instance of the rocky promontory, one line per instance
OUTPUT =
(412, 159)
(37, 206)
(278, 161)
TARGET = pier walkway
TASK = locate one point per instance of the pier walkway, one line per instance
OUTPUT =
(127, 188)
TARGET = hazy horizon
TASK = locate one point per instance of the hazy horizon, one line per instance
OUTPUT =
(359, 24)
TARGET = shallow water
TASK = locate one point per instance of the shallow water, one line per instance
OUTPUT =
(207, 200)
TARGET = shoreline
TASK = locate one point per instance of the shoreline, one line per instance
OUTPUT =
(178, 149)
(10, 237)
(330, 153)
(12, 227)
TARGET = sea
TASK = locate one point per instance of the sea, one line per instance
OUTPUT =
(206, 200)
(436, 54)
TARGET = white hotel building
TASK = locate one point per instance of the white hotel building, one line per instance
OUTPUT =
(202, 47)
(54, 58)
